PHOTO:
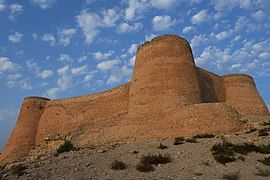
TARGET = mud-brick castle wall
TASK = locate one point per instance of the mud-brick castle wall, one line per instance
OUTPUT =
(22, 138)
(242, 94)
(164, 76)
(70, 117)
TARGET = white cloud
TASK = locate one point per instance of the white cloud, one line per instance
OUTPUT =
(187, 29)
(265, 55)
(197, 40)
(6, 65)
(135, 8)
(162, 23)
(133, 48)
(25, 85)
(79, 70)
(150, 37)
(258, 15)
(7, 114)
(32, 66)
(89, 22)
(45, 74)
(35, 36)
(66, 35)
(44, 4)
(15, 38)
(221, 5)
(15, 9)
(107, 65)
(164, 4)
(200, 17)
(102, 56)
(14, 76)
(48, 38)
(118, 74)
(2, 6)
(110, 17)
(126, 28)
(64, 57)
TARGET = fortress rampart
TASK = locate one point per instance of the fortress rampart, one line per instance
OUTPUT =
(168, 96)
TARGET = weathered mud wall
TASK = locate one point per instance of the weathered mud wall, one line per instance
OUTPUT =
(22, 138)
(164, 77)
(242, 94)
(168, 96)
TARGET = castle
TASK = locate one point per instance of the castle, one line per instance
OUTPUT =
(168, 96)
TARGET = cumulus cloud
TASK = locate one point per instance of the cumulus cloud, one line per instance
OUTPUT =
(15, 9)
(187, 29)
(8, 113)
(16, 37)
(64, 57)
(126, 28)
(79, 70)
(164, 4)
(66, 35)
(258, 15)
(107, 65)
(102, 56)
(6, 65)
(25, 84)
(135, 8)
(2, 6)
(199, 17)
(162, 23)
(197, 40)
(133, 48)
(89, 22)
(45, 74)
(44, 4)
(48, 38)
(150, 37)
(119, 74)
(110, 17)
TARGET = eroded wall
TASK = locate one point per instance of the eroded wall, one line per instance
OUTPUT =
(168, 96)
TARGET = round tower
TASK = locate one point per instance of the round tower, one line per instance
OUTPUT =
(241, 93)
(22, 138)
(164, 76)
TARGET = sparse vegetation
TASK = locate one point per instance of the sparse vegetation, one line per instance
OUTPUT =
(204, 135)
(66, 147)
(266, 123)
(266, 161)
(263, 132)
(225, 152)
(262, 172)
(145, 167)
(161, 146)
(135, 152)
(232, 176)
(118, 165)
(156, 159)
(18, 169)
(178, 140)
(251, 130)
(192, 140)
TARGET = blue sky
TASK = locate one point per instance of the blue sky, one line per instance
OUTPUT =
(63, 48)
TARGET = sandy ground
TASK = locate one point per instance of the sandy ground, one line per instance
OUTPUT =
(189, 161)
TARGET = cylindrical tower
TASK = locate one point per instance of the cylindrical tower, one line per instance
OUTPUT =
(242, 94)
(164, 76)
(22, 138)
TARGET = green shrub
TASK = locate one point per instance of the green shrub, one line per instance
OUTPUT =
(118, 165)
(192, 140)
(266, 161)
(18, 169)
(156, 159)
(231, 176)
(145, 167)
(204, 135)
(263, 172)
(263, 132)
(66, 147)
(161, 146)
(178, 140)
